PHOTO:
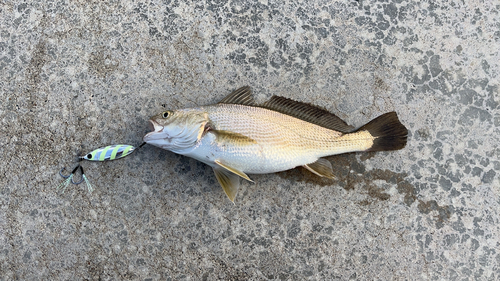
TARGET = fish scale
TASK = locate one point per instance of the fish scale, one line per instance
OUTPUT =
(281, 136)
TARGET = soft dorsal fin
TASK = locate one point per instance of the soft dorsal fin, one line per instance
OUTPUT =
(242, 96)
(307, 112)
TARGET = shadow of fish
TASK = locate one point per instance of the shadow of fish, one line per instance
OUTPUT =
(236, 137)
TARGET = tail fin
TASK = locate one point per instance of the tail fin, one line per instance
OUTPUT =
(389, 133)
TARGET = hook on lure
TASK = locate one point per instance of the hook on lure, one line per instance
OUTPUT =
(108, 153)
(70, 179)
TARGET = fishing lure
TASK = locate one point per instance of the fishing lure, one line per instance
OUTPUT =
(108, 153)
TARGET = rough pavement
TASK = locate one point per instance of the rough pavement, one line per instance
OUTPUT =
(78, 75)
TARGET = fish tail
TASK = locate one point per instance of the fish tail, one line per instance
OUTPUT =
(387, 132)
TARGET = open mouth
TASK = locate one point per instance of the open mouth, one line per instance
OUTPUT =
(155, 127)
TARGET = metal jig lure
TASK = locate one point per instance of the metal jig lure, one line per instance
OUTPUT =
(108, 153)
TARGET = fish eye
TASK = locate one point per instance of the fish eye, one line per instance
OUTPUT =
(165, 114)
(89, 156)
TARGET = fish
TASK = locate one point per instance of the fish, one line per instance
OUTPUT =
(237, 137)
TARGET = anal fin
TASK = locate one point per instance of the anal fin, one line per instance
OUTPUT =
(321, 167)
(233, 170)
(230, 182)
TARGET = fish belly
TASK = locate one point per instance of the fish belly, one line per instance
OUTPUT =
(251, 159)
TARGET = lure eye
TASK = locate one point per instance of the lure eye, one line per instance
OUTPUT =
(89, 156)
(165, 114)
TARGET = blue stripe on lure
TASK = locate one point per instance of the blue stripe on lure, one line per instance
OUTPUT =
(108, 153)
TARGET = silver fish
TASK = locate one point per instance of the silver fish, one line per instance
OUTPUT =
(236, 137)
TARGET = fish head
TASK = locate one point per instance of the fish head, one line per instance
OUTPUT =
(177, 130)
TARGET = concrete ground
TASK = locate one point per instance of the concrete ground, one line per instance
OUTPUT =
(79, 75)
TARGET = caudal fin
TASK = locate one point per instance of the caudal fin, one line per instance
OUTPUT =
(389, 133)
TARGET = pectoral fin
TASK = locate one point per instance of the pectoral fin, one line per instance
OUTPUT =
(232, 137)
(322, 168)
(233, 170)
(230, 182)
(204, 127)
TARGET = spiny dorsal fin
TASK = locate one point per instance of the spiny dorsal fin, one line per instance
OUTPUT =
(242, 96)
(307, 112)
(321, 167)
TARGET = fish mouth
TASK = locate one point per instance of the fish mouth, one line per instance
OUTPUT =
(155, 127)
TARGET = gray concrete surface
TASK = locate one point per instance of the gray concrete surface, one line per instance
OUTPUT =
(78, 75)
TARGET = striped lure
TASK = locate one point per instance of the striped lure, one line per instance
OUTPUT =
(110, 152)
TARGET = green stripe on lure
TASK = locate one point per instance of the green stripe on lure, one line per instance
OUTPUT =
(111, 152)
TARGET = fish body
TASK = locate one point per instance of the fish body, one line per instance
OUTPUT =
(236, 136)
(260, 141)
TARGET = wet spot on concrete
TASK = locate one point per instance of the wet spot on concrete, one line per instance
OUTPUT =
(102, 63)
(467, 96)
(488, 176)
(434, 66)
(351, 174)
(476, 171)
(422, 134)
(183, 167)
(441, 213)
(474, 114)
(366, 156)
(381, 85)
(445, 183)
(38, 60)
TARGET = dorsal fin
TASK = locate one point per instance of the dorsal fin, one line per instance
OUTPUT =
(307, 112)
(242, 96)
